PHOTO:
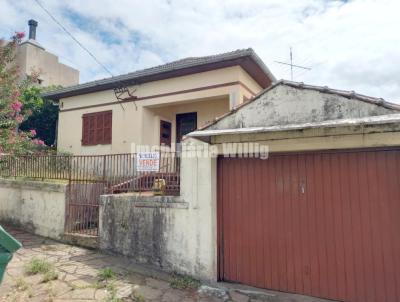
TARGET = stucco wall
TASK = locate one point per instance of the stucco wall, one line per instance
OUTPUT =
(284, 105)
(136, 122)
(174, 233)
(31, 58)
(139, 226)
(206, 111)
(36, 206)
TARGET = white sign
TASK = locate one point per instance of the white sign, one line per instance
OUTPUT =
(148, 162)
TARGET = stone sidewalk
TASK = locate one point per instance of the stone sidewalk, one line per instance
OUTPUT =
(84, 275)
(45, 270)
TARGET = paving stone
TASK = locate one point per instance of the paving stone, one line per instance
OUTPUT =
(157, 283)
(135, 279)
(209, 299)
(78, 269)
(101, 294)
(59, 288)
(173, 295)
(147, 292)
(33, 279)
(87, 271)
(238, 297)
(219, 293)
(83, 283)
(124, 291)
(85, 294)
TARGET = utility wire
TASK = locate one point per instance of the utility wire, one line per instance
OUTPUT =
(73, 38)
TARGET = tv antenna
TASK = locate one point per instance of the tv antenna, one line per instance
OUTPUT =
(122, 90)
(292, 65)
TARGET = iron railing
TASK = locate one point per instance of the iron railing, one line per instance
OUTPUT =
(117, 172)
(91, 176)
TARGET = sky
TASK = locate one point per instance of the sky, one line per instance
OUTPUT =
(351, 45)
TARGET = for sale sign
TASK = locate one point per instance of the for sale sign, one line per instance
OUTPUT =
(148, 162)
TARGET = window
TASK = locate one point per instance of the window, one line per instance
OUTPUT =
(165, 133)
(97, 128)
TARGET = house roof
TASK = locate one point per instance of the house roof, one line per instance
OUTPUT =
(300, 85)
(369, 120)
(246, 58)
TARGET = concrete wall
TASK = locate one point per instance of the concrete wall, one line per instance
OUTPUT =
(174, 233)
(180, 233)
(138, 122)
(32, 57)
(284, 105)
(36, 206)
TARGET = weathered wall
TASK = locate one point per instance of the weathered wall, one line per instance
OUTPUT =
(174, 233)
(36, 206)
(184, 239)
(139, 226)
(284, 105)
(32, 57)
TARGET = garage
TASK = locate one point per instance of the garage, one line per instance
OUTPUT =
(323, 223)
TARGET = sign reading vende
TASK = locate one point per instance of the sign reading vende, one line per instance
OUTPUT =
(148, 162)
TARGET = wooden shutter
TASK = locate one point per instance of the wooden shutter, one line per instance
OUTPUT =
(107, 138)
(97, 128)
(85, 130)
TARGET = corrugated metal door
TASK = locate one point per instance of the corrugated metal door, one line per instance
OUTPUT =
(319, 224)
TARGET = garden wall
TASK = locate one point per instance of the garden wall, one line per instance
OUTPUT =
(174, 233)
(37, 207)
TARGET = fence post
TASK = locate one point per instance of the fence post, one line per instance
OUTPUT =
(104, 173)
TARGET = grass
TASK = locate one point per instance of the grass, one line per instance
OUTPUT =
(112, 293)
(38, 266)
(106, 274)
(50, 276)
(184, 282)
(21, 284)
(41, 266)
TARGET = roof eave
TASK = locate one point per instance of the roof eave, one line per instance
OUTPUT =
(249, 62)
(373, 120)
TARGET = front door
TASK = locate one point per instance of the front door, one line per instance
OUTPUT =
(185, 123)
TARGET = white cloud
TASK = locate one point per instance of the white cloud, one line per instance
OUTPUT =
(350, 45)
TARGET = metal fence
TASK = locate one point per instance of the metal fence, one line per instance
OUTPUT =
(117, 172)
(91, 176)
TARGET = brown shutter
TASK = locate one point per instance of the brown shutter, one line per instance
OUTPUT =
(108, 127)
(99, 132)
(96, 128)
(85, 130)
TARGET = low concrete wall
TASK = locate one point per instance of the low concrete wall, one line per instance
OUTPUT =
(36, 206)
(175, 233)
(141, 227)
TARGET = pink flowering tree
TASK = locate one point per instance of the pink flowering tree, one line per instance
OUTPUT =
(12, 112)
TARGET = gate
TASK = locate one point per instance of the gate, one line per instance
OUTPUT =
(82, 212)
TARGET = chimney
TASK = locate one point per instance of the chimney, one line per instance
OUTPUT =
(32, 29)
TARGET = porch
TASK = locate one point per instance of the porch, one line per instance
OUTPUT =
(166, 123)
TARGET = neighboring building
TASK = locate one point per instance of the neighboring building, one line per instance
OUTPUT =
(319, 217)
(32, 57)
(166, 102)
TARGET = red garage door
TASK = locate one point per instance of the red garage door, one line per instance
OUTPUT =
(319, 224)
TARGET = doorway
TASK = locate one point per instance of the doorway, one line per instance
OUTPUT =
(185, 123)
